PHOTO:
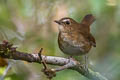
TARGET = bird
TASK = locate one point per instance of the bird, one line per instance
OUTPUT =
(75, 38)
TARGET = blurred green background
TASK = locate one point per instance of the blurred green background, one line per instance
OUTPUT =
(29, 25)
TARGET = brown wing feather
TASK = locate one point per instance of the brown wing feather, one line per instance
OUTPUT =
(92, 40)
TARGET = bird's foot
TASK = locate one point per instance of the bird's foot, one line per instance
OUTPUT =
(85, 69)
(71, 58)
(86, 64)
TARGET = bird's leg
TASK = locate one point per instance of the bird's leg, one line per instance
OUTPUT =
(86, 62)
(69, 58)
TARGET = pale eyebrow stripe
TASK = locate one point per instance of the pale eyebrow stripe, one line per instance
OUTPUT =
(66, 20)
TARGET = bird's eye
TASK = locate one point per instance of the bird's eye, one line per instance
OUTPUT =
(67, 22)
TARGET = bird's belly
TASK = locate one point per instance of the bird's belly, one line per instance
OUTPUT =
(71, 50)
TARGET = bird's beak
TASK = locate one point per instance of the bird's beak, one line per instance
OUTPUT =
(58, 22)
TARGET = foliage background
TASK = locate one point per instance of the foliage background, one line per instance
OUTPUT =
(29, 25)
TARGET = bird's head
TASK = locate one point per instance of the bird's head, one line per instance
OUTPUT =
(66, 24)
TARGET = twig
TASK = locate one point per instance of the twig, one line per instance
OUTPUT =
(48, 72)
(5, 72)
(42, 61)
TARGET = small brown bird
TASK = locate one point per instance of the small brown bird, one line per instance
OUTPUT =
(75, 38)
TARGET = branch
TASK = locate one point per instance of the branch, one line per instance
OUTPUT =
(8, 51)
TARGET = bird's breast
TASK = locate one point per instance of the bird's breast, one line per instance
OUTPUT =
(69, 46)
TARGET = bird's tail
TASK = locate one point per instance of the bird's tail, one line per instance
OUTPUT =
(88, 19)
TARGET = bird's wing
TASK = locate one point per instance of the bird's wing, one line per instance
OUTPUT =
(92, 40)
